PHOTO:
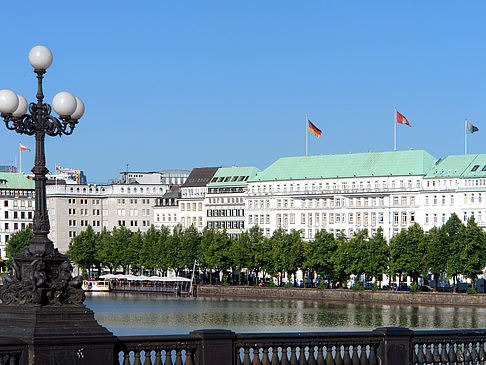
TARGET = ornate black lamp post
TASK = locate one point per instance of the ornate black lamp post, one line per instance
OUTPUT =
(41, 299)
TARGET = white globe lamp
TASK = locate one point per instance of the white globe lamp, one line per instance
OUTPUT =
(8, 101)
(40, 57)
(64, 103)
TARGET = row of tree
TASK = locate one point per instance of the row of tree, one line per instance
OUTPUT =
(453, 249)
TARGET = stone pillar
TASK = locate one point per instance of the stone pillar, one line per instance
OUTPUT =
(396, 347)
(57, 335)
(216, 347)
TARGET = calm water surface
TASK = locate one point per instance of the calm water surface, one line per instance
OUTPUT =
(152, 314)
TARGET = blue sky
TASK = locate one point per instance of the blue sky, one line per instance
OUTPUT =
(187, 84)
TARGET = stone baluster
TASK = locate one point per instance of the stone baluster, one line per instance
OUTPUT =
(320, 356)
(178, 357)
(355, 359)
(136, 358)
(346, 358)
(363, 359)
(126, 357)
(246, 357)
(338, 358)
(372, 359)
(285, 356)
(474, 352)
(459, 353)
(312, 355)
(482, 354)
(293, 356)
(329, 358)
(158, 357)
(275, 355)
(435, 354)
(444, 357)
(265, 359)
(256, 356)
(429, 359)
(168, 357)
(452, 353)
(190, 357)
(147, 357)
(302, 359)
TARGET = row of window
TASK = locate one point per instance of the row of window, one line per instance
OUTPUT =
(17, 225)
(133, 223)
(168, 218)
(226, 224)
(17, 193)
(323, 219)
(226, 213)
(344, 185)
(19, 215)
(227, 200)
(84, 201)
(19, 203)
(188, 206)
(191, 221)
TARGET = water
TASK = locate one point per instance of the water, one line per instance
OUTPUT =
(153, 314)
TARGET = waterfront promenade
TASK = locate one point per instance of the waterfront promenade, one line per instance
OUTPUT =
(344, 295)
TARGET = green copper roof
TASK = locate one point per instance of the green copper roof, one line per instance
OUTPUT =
(393, 163)
(233, 176)
(13, 180)
(459, 166)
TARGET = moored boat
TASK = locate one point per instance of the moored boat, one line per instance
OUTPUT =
(96, 285)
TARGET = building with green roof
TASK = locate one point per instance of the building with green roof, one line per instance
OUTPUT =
(392, 163)
(225, 202)
(459, 167)
(17, 181)
(16, 205)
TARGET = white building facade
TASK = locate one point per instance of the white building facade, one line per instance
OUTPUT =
(349, 193)
(17, 205)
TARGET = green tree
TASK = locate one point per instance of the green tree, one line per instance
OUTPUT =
(342, 260)
(318, 254)
(18, 242)
(83, 250)
(114, 251)
(472, 254)
(407, 250)
(376, 256)
(240, 253)
(436, 252)
(454, 231)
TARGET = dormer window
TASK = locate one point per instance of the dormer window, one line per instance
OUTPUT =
(475, 167)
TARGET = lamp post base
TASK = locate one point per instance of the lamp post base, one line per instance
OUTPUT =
(57, 334)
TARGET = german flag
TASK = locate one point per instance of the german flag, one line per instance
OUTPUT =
(314, 129)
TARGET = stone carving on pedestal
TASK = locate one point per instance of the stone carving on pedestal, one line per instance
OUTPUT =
(42, 280)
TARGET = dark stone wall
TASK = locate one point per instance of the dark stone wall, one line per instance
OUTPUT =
(338, 295)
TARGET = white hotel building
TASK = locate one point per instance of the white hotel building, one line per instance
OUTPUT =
(351, 192)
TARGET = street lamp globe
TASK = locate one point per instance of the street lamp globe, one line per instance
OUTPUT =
(8, 101)
(40, 57)
(22, 107)
(78, 113)
(64, 103)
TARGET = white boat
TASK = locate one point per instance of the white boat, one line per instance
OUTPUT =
(96, 285)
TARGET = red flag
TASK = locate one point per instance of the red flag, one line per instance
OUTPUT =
(23, 148)
(401, 119)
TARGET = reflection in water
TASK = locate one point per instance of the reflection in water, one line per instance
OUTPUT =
(157, 314)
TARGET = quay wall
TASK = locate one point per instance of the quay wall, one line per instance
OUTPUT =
(343, 295)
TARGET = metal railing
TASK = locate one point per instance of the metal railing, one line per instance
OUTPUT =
(384, 346)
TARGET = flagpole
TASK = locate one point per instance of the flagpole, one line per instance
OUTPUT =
(20, 152)
(306, 136)
(465, 137)
(395, 129)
